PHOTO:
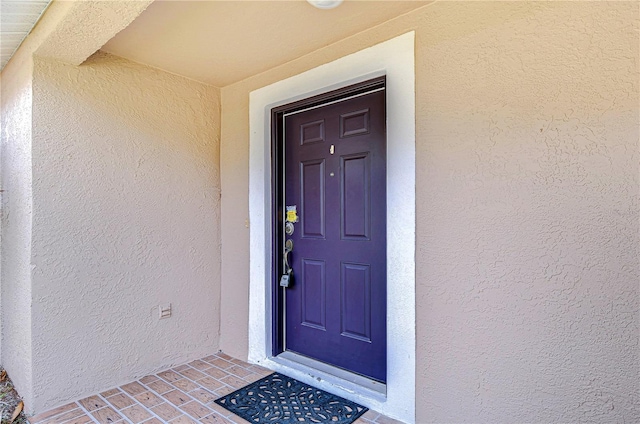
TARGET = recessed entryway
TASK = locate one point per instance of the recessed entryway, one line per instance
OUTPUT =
(393, 59)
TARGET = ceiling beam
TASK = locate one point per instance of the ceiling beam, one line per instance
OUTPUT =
(71, 31)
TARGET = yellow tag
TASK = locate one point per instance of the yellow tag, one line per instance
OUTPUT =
(292, 214)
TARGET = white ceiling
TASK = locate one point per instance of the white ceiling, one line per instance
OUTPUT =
(221, 42)
(17, 18)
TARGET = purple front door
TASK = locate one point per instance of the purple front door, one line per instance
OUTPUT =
(335, 177)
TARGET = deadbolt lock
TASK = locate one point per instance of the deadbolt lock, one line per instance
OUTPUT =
(289, 228)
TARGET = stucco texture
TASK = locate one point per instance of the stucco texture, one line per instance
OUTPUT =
(126, 201)
(15, 294)
(86, 26)
(527, 208)
(529, 295)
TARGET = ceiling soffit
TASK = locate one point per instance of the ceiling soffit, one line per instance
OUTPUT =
(222, 42)
(17, 18)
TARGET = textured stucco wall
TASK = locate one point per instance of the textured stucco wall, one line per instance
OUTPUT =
(15, 290)
(71, 30)
(527, 208)
(79, 28)
(126, 199)
(529, 303)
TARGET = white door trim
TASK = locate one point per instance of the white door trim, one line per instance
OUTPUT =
(395, 59)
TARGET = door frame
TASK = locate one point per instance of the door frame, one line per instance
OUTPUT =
(395, 60)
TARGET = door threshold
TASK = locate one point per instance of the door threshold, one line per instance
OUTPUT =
(340, 376)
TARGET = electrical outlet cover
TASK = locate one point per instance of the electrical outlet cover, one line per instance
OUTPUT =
(164, 310)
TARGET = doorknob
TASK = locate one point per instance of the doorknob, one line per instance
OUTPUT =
(288, 248)
(285, 280)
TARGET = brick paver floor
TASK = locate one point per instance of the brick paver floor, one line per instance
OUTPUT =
(183, 394)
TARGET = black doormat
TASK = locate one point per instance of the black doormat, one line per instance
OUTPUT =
(277, 399)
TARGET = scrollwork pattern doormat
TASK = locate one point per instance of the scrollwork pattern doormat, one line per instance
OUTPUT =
(277, 399)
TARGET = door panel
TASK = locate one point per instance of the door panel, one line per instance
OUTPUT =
(354, 123)
(314, 294)
(354, 196)
(335, 175)
(312, 132)
(312, 198)
(355, 282)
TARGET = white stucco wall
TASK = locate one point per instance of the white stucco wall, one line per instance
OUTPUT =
(125, 216)
(15, 290)
(527, 215)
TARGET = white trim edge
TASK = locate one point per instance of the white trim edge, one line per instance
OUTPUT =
(395, 59)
